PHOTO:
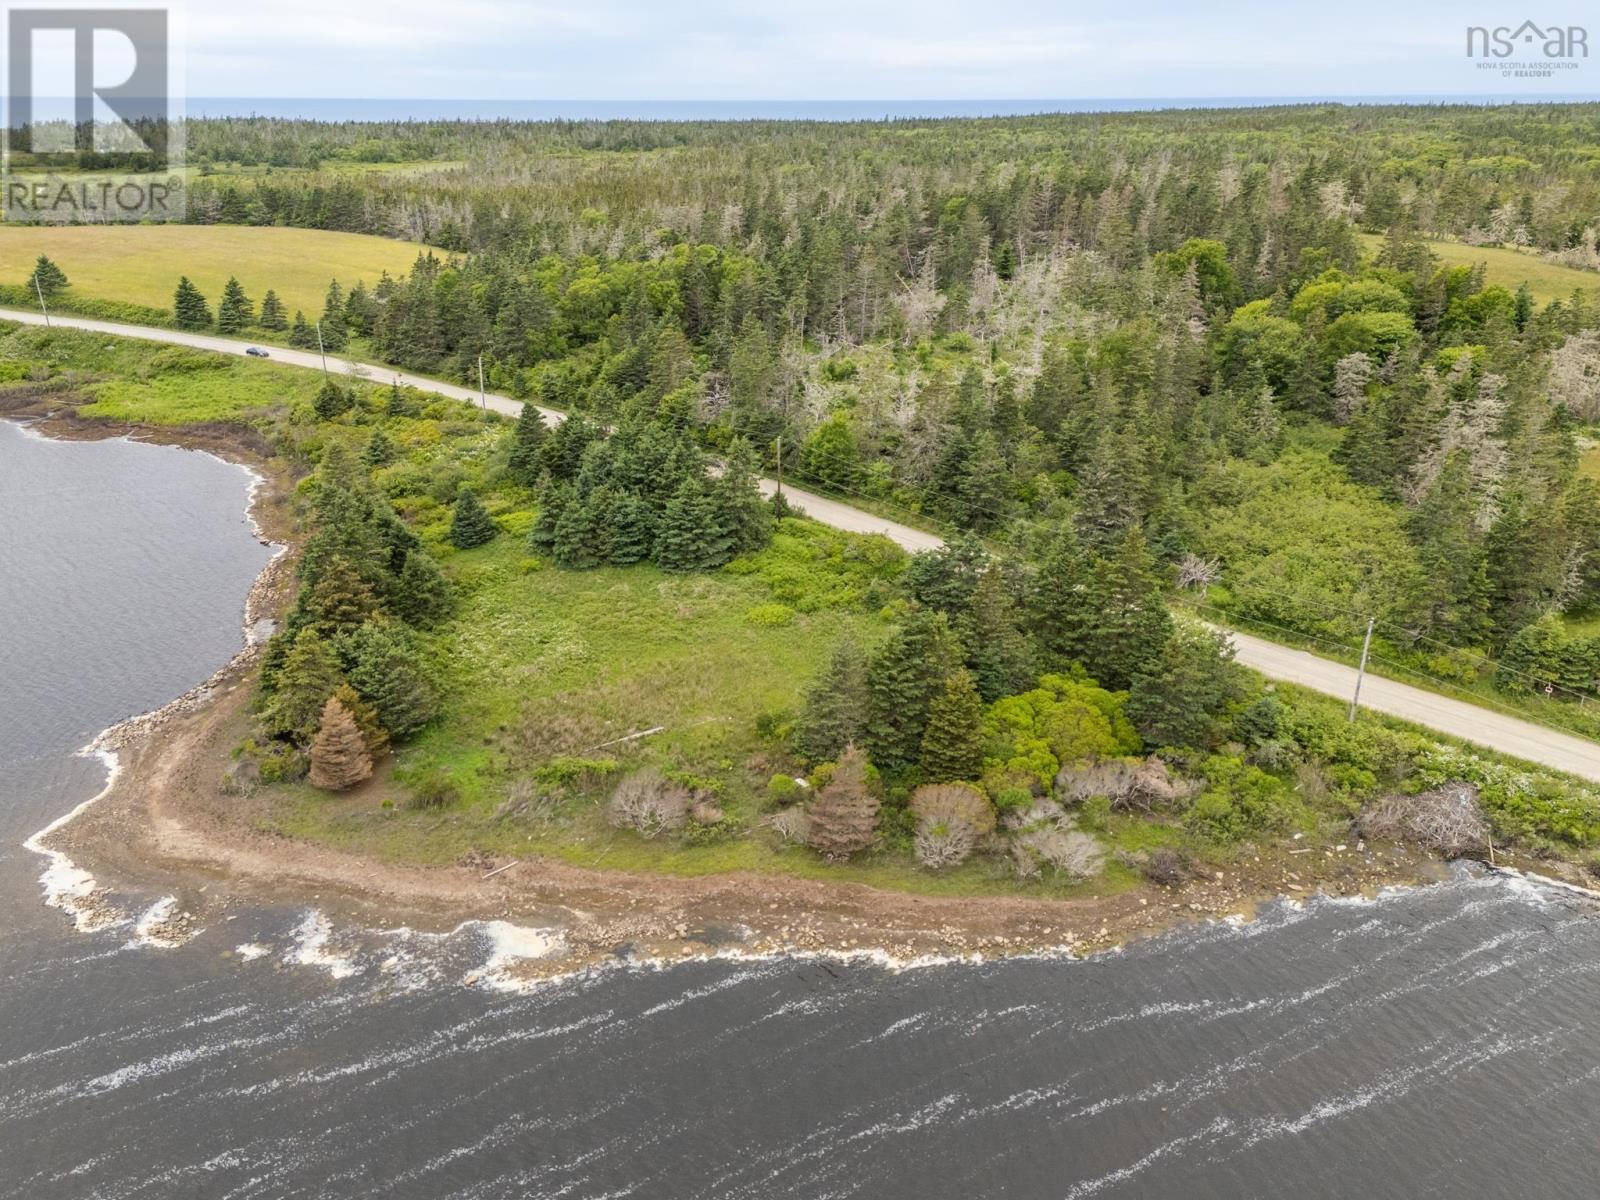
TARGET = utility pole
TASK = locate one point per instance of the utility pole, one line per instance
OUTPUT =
(38, 287)
(1361, 671)
(483, 397)
(780, 467)
(321, 351)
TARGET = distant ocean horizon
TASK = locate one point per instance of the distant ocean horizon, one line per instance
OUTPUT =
(422, 109)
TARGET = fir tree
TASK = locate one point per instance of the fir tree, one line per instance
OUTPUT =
(335, 598)
(234, 311)
(835, 709)
(529, 434)
(423, 596)
(470, 523)
(686, 539)
(47, 277)
(339, 757)
(952, 744)
(272, 315)
(189, 310)
(844, 815)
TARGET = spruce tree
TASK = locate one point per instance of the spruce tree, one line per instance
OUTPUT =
(332, 400)
(583, 534)
(529, 434)
(382, 663)
(470, 523)
(365, 716)
(952, 744)
(335, 598)
(47, 277)
(681, 536)
(334, 335)
(400, 402)
(234, 311)
(272, 315)
(904, 676)
(339, 757)
(553, 502)
(997, 650)
(423, 596)
(844, 815)
(1130, 623)
(744, 514)
(189, 310)
(301, 334)
(1060, 609)
(835, 709)
(301, 686)
(632, 530)
(380, 451)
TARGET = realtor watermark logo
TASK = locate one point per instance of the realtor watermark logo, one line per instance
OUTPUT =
(1528, 50)
(93, 127)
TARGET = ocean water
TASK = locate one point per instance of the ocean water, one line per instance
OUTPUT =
(426, 109)
(1440, 1042)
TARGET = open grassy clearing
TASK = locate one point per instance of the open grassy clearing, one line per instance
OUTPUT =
(140, 264)
(1509, 268)
(547, 665)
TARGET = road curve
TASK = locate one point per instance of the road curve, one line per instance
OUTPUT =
(1485, 727)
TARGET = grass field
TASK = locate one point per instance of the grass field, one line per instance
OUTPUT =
(1510, 268)
(141, 263)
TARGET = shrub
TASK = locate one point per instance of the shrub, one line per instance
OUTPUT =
(1445, 819)
(770, 616)
(1129, 785)
(1077, 856)
(792, 826)
(943, 843)
(943, 803)
(1240, 800)
(433, 790)
(784, 790)
(1167, 867)
(646, 803)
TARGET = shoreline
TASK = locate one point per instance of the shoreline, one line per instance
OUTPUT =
(160, 830)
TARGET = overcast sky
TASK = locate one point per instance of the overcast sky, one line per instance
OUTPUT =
(851, 49)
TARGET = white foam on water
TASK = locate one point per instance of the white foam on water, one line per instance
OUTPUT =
(311, 948)
(68, 886)
(147, 930)
(250, 951)
(510, 945)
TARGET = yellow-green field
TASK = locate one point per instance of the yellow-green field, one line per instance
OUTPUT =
(1509, 268)
(142, 263)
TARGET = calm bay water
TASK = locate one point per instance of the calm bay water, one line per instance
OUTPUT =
(1436, 1043)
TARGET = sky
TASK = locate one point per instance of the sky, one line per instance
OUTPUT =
(856, 49)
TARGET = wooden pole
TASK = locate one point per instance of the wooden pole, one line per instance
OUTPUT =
(38, 287)
(1361, 671)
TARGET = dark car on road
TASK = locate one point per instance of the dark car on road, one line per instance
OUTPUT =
(256, 352)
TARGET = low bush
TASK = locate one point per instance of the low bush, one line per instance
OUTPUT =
(648, 804)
